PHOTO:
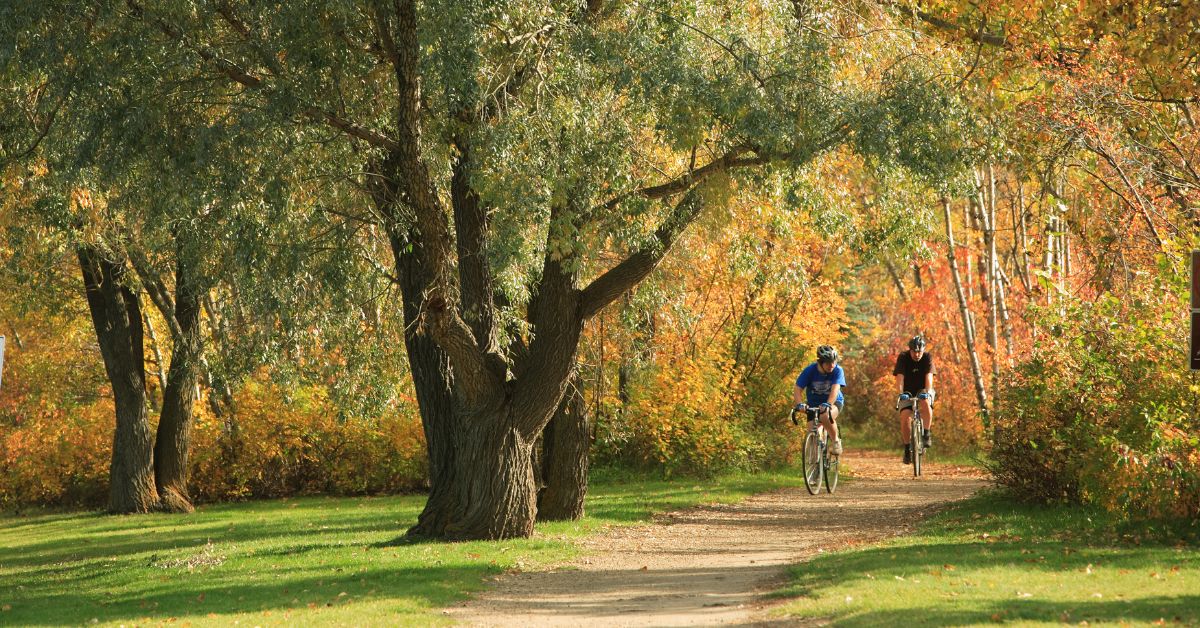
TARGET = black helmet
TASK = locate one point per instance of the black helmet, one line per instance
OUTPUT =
(917, 343)
(826, 354)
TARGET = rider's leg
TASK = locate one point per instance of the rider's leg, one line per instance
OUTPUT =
(833, 429)
(829, 420)
(926, 418)
(905, 426)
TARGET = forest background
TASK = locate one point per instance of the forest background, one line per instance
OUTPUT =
(1046, 263)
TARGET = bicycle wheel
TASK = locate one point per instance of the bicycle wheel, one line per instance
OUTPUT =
(917, 450)
(831, 472)
(811, 459)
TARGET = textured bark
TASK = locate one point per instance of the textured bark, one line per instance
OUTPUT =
(172, 443)
(564, 465)
(117, 319)
(432, 380)
(494, 492)
(428, 364)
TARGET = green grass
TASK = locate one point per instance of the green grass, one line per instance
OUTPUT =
(296, 561)
(989, 560)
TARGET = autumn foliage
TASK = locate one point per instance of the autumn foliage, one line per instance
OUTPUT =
(55, 436)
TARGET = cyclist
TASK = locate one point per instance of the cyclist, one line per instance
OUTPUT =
(820, 386)
(914, 375)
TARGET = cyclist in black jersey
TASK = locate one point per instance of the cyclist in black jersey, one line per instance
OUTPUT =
(914, 376)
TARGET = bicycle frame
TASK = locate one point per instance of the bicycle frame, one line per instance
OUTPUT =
(915, 428)
(824, 465)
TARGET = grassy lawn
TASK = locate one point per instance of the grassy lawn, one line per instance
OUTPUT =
(988, 560)
(296, 561)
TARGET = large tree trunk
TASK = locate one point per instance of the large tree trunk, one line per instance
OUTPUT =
(565, 459)
(172, 443)
(117, 319)
(494, 491)
(432, 380)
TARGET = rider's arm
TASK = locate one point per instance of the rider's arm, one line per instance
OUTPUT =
(833, 393)
(929, 375)
(798, 395)
(900, 383)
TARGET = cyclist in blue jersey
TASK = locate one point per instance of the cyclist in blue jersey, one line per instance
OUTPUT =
(820, 386)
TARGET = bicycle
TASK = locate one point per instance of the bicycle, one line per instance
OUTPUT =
(916, 430)
(819, 465)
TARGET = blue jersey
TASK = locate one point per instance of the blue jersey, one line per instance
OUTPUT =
(818, 384)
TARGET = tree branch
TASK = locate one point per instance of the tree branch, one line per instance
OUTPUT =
(615, 281)
(244, 77)
(979, 35)
(729, 160)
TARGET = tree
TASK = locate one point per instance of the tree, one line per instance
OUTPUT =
(503, 147)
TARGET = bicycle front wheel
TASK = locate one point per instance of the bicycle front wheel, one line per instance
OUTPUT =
(831, 473)
(918, 452)
(810, 457)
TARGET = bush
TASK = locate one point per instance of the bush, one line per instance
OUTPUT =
(57, 453)
(1104, 410)
(290, 442)
(681, 422)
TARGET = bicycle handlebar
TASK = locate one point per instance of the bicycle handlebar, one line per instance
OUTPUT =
(910, 402)
(812, 412)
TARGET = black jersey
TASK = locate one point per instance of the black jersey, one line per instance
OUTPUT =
(914, 371)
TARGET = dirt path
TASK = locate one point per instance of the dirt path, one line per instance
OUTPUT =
(710, 565)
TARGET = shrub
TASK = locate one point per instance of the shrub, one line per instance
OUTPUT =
(1103, 411)
(286, 442)
(681, 422)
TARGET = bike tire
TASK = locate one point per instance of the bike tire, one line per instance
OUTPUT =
(918, 452)
(810, 458)
(831, 473)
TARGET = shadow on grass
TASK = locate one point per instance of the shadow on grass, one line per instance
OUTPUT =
(87, 542)
(967, 563)
(423, 588)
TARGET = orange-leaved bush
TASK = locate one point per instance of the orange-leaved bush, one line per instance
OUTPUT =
(289, 441)
(55, 450)
(682, 421)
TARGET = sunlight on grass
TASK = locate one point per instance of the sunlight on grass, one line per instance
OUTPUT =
(987, 560)
(308, 560)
